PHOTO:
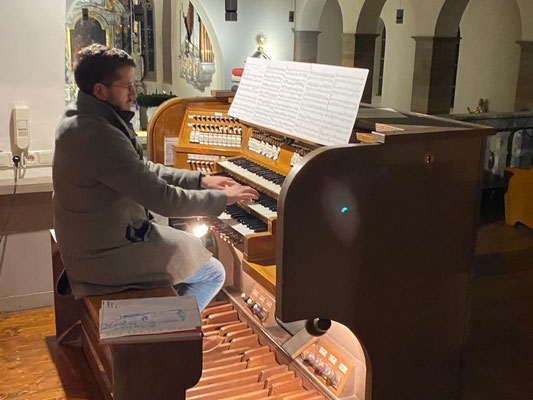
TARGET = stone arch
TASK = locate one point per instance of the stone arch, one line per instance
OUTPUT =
(306, 29)
(435, 55)
(452, 11)
(359, 17)
(489, 59)
(526, 11)
(368, 19)
(307, 14)
(365, 41)
(350, 10)
(329, 48)
(449, 18)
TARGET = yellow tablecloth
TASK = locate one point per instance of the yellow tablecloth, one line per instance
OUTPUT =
(519, 197)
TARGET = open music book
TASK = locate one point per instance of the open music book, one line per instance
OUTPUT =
(314, 102)
(149, 320)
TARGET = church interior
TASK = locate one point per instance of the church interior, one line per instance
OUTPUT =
(419, 286)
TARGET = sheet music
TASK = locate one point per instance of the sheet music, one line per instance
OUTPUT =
(318, 103)
(289, 98)
(251, 81)
(148, 316)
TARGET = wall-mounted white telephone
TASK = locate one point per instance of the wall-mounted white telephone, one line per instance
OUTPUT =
(21, 126)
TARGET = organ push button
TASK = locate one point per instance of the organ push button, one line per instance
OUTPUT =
(255, 307)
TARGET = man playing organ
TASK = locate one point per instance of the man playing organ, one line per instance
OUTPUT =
(104, 187)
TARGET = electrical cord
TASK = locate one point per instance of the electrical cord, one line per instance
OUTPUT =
(16, 161)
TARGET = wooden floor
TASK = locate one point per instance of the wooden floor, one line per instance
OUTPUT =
(32, 366)
(498, 362)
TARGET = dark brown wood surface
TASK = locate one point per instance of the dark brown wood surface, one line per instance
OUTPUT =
(164, 370)
(374, 237)
(142, 370)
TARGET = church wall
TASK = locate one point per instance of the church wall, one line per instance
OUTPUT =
(488, 55)
(232, 42)
(350, 13)
(330, 39)
(32, 70)
(399, 56)
(426, 15)
(179, 86)
(237, 39)
(526, 11)
(307, 14)
(26, 271)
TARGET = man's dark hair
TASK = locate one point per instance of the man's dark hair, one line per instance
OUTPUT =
(99, 64)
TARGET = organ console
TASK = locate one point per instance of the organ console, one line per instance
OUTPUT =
(348, 278)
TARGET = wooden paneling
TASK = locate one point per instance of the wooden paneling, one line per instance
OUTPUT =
(166, 122)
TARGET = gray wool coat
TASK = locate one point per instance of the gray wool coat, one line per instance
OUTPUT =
(102, 190)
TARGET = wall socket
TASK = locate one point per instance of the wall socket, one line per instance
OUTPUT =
(39, 158)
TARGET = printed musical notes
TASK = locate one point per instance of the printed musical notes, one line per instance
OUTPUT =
(313, 102)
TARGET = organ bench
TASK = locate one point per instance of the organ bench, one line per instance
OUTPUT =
(139, 371)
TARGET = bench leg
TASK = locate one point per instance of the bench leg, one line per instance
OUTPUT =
(67, 310)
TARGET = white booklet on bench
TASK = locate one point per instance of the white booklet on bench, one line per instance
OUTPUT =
(149, 320)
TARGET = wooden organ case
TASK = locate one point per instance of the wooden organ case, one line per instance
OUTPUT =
(372, 240)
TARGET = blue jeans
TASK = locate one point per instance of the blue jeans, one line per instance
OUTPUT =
(204, 283)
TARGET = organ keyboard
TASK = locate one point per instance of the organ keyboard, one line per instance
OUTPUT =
(348, 278)
(253, 173)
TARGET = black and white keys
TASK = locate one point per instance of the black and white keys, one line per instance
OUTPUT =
(254, 173)
(236, 225)
(241, 221)
(265, 206)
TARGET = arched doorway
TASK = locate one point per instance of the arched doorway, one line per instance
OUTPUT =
(329, 48)
(489, 56)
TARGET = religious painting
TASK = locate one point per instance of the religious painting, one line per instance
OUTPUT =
(197, 58)
(94, 21)
(85, 33)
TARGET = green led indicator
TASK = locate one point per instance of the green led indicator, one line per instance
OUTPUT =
(344, 209)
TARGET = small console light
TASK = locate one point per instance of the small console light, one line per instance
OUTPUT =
(200, 230)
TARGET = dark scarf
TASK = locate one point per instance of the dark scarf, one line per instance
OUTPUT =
(126, 117)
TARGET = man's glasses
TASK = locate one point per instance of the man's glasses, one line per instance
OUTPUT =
(129, 87)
